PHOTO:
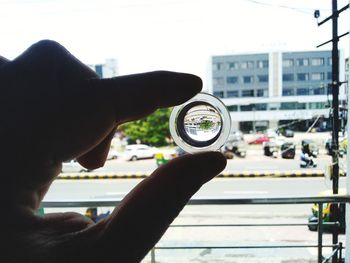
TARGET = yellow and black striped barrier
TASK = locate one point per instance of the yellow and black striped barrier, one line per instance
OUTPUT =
(246, 174)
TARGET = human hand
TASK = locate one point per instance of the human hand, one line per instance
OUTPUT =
(54, 108)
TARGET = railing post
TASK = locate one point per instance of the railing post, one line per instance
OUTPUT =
(320, 230)
(340, 251)
(153, 255)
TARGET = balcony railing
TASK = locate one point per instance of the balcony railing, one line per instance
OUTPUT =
(337, 249)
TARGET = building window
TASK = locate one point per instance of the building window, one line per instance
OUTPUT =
(288, 105)
(329, 75)
(288, 92)
(233, 65)
(317, 61)
(261, 93)
(303, 76)
(232, 108)
(263, 78)
(247, 79)
(288, 77)
(232, 93)
(248, 93)
(330, 61)
(288, 63)
(317, 76)
(232, 80)
(219, 94)
(303, 91)
(261, 106)
(247, 107)
(247, 64)
(218, 81)
(319, 91)
(262, 64)
(317, 105)
(217, 66)
(301, 62)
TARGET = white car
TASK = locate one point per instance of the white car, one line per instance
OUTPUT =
(134, 152)
(73, 166)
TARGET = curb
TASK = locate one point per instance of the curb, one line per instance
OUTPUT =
(247, 174)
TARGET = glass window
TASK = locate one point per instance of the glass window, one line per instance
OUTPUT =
(288, 92)
(261, 93)
(232, 93)
(302, 76)
(319, 91)
(288, 63)
(247, 64)
(232, 108)
(317, 76)
(247, 107)
(219, 94)
(317, 105)
(288, 77)
(217, 66)
(329, 61)
(263, 78)
(301, 106)
(232, 80)
(317, 61)
(288, 105)
(233, 65)
(218, 81)
(262, 64)
(247, 79)
(248, 93)
(261, 106)
(303, 91)
(329, 75)
(302, 62)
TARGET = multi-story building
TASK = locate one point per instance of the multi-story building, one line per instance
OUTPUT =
(106, 70)
(269, 90)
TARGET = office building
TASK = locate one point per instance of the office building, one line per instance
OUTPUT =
(108, 69)
(270, 90)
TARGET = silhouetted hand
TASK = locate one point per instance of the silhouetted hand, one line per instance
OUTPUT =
(54, 108)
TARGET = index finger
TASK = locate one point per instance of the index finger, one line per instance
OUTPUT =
(135, 96)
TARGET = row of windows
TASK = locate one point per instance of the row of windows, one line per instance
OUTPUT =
(244, 79)
(315, 76)
(242, 93)
(240, 65)
(278, 106)
(305, 91)
(303, 62)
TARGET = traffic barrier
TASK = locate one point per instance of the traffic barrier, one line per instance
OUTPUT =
(246, 174)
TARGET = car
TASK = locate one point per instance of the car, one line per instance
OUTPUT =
(72, 166)
(112, 154)
(135, 152)
(260, 139)
(288, 133)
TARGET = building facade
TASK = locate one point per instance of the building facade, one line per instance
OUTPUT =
(270, 90)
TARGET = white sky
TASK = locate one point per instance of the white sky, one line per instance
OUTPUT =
(179, 35)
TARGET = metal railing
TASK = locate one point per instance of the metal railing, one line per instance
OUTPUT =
(336, 248)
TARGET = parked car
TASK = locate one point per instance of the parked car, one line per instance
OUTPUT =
(288, 133)
(72, 166)
(135, 152)
(270, 149)
(112, 154)
(260, 139)
(237, 147)
(343, 145)
(326, 213)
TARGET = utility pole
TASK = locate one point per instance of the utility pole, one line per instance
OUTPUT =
(335, 113)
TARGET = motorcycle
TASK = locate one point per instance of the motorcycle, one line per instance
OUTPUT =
(307, 161)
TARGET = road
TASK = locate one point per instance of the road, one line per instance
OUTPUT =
(255, 161)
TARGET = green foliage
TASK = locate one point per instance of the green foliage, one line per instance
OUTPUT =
(153, 130)
(206, 125)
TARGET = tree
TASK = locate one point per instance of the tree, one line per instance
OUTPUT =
(153, 130)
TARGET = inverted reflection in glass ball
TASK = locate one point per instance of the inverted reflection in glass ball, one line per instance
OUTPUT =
(202, 123)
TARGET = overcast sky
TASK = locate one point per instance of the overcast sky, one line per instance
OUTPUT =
(176, 35)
